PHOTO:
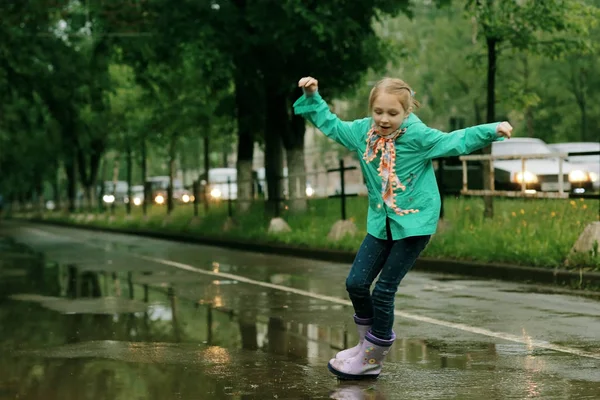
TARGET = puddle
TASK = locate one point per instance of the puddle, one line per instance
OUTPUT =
(163, 279)
(148, 332)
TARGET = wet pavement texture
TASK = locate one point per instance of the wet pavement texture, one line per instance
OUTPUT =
(90, 315)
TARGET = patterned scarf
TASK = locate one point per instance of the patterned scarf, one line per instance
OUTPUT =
(387, 163)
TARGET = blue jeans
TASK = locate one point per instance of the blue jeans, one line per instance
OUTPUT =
(393, 258)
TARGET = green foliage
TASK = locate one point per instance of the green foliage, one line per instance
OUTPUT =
(446, 65)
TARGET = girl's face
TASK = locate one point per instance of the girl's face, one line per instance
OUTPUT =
(388, 113)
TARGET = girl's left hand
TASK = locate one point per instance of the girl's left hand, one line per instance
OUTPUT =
(504, 129)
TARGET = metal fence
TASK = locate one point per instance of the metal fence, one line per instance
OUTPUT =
(525, 191)
(333, 183)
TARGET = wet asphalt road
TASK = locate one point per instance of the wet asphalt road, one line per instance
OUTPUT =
(105, 316)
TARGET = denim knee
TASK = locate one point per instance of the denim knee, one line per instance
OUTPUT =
(356, 287)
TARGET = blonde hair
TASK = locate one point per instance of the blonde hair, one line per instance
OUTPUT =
(395, 86)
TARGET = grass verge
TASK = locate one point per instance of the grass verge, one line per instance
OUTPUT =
(529, 232)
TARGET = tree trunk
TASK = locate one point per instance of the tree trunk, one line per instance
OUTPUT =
(584, 122)
(115, 179)
(296, 165)
(89, 178)
(206, 170)
(528, 109)
(580, 90)
(244, 184)
(39, 193)
(225, 155)
(491, 116)
(56, 188)
(70, 170)
(244, 98)
(275, 126)
(172, 155)
(296, 179)
(129, 177)
(477, 109)
(87, 195)
(144, 166)
(102, 179)
(529, 121)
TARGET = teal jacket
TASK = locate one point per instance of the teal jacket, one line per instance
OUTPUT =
(414, 151)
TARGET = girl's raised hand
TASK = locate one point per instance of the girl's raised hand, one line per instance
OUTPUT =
(308, 84)
(504, 129)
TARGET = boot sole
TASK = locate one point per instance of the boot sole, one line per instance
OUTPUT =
(349, 377)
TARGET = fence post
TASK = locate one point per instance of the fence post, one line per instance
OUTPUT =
(279, 198)
(195, 194)
(343, 189)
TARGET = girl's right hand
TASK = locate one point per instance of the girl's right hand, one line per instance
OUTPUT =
(308, 84)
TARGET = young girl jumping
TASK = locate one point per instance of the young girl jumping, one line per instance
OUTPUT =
(395, 150)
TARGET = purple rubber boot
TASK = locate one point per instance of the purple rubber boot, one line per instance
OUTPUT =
(367, 363)
(362, 325)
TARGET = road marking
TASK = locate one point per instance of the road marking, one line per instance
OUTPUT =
(525, 339)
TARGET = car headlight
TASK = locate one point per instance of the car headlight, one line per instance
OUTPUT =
(310, 191)
(578, 176)
(159, 199)
(594, 177)
(185, 198)
(526, 176)
(108, 198)
(216, 193)
(137, 201)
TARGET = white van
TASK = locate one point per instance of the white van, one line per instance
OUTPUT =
(310, 191)
(218, 188)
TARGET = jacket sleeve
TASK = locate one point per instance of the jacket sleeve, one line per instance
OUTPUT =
(436, 144)
(315, 109)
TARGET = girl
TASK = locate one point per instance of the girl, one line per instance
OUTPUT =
(396, 150)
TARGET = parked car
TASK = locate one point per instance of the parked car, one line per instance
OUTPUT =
(137, 194)
(262, 180)
(218, 186)
(540, 174)
(158, 189)
(589, 162)
(114, 193)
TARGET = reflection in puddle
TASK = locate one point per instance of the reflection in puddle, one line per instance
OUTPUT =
(103, 305)
(357, 391)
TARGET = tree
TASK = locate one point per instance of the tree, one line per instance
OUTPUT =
(21, 111)
(183, 73)
(282, 41)
(552, 27)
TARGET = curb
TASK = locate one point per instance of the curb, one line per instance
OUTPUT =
(504, 272)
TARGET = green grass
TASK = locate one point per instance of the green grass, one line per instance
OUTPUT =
(532, 232)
